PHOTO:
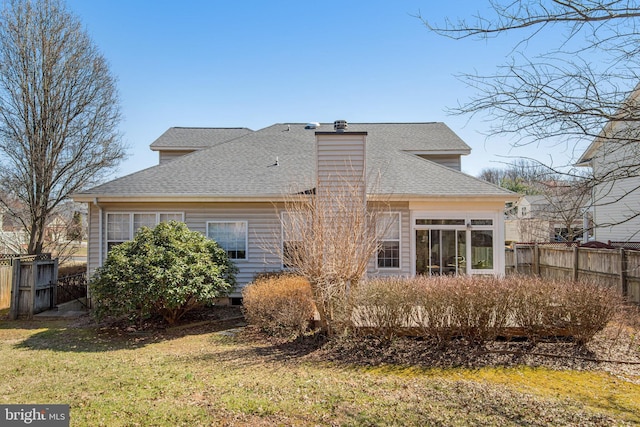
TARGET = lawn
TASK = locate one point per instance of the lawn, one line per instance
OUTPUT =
(205, 376)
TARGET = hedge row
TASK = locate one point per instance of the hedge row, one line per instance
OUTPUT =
(481, 308)
(476, 308)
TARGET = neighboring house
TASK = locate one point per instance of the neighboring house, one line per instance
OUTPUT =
(614, 157)
(230, 185)
(544, 218)
(14, 238)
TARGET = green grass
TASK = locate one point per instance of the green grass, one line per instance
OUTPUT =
(197, 377)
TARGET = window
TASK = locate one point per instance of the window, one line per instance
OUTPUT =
(389, 230)
(294, 228)
(122, 226)
(440, 222)
(481, 222)
(118, 229)
(231, 236)
(482, 249)
(166, 217)
(144, 220)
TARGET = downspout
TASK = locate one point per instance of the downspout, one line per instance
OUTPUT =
(100, 233)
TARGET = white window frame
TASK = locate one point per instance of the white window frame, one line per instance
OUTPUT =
(284, 233)
(383, 239)
(246, 236)
(131, 232)
(468, 217)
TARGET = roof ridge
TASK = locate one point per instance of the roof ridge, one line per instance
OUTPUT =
(210, 127)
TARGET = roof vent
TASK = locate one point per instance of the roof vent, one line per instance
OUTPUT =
(312, 125)
(340, 125)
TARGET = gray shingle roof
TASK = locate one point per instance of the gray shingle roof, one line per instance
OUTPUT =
(245, 166)
(179, 138)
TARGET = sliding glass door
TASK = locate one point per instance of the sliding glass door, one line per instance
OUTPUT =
(441, 251)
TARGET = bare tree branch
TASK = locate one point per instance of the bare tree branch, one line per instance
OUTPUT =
(582, 89)
(59, 112)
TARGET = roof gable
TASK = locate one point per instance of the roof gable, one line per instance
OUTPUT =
(279, 160)
(190, 138)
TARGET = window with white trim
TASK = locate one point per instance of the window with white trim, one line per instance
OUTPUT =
(231, 236)
(389, 232)
(295, 226)
(482, 244)
(122, 226)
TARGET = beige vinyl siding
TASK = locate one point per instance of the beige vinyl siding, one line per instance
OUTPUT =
(263, 234)
(340, 158)
(263, 230)
(167, 156)
(449, 160)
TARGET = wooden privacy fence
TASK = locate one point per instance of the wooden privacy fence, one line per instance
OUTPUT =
(6, 274)
(31, 283)
(615, 267)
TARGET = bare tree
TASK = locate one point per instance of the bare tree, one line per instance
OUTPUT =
(568, 204)
(59, 113)
(331, 238)
(566, 199)
(581, 88)
(523, 176)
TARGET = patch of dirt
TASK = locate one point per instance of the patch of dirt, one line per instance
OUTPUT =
(197, 317)
(615, 350)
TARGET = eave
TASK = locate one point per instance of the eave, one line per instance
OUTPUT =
(270, 198)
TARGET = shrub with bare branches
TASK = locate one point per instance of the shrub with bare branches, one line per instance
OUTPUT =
(384, 306)
(482, 308)
(279, 305)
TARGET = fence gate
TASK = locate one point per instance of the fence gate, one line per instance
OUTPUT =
(33, 285)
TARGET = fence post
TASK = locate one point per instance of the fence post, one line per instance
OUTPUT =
(575, 263)
(515, 258)
(15, 289)
(536, 259)
(623, 273)
(54, 285)
(34, 282)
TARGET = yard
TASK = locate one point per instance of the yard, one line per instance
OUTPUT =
(208, 375)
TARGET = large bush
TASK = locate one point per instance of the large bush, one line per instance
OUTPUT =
(279, 305)
(167, 270)
(481, 308)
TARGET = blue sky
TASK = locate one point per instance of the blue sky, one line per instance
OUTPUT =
(254, 63)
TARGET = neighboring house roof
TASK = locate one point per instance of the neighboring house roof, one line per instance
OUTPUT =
(631, 103)
(535, 199)
(180, 138)
(280, 159)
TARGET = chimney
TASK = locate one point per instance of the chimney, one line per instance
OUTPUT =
(340, 161)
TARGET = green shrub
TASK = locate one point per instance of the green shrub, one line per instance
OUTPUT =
(167, 270)
(280, 306)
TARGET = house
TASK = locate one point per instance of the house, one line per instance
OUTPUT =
(614, 159)
(14, 237)
(230, 184)
(557, 217)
